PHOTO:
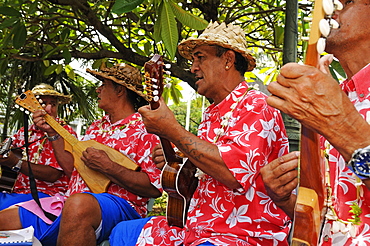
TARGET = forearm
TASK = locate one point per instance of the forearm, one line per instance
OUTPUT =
(64, 158)
(205, 156)
(133, 181)
(41, 172)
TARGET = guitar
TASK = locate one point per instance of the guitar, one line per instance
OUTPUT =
(178, 175)
(310, 206)
(7, 176)
(96, 181)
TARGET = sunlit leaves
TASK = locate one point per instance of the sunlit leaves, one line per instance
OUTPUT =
(169, 33)
(124, 6)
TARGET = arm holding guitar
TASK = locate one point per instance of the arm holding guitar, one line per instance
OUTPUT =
(281, 178)
(61, 151)
(202, 154)
(133, 181)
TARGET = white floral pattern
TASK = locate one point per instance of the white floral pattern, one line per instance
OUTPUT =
(343, 180)
(130, 137)
(46, 157)
(234, 217)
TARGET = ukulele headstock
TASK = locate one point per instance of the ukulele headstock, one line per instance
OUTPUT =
(153, 76)
(29, 102)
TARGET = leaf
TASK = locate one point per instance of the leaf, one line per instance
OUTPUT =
(8, 11)
(188, 19)
(168, 29)
(9, 22)
(67, 55)
(50, 70)
(59, 68)
(125, 6)
(20, 35)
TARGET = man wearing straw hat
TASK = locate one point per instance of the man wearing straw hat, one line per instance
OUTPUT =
(240, 133)
(88, 218)
(50, 178)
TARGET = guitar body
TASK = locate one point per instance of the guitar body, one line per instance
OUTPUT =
(97, 182)
(7, 179)
(179, 181)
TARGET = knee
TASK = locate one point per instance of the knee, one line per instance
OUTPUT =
(81, 205)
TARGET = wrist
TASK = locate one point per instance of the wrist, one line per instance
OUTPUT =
(53, 138)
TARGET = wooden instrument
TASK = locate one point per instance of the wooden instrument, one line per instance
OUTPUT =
(96, 181)
(7, 176)
(311, 195)
(178, 175)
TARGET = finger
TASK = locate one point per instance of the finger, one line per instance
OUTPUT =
(292, 70)
(276, 102)
(324, 63)
(160, 165)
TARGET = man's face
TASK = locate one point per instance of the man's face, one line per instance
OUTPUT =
(207, 68)
(106, 95)
(52, 103)
(354, 27)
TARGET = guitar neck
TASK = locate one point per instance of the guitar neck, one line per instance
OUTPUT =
(72, 140)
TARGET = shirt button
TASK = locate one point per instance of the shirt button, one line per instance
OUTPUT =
(362, 95)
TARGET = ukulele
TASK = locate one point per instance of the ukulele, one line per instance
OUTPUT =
(310, 209)
(96, 181)
(178, 174)
(7, 176)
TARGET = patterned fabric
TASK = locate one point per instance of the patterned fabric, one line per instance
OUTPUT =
(255, 136)
(344, 182)
(44, 156)
(130, 137)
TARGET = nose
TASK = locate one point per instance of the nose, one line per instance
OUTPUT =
(194, 67)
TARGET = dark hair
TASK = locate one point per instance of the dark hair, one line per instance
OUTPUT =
(136, 100)
(241, 63)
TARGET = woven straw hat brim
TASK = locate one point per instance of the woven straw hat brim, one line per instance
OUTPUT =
(187, 46)
(132, 87)
(63, 99)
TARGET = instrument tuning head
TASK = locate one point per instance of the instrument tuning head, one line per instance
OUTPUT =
(168, 72)
(167, 66)
(168, 85)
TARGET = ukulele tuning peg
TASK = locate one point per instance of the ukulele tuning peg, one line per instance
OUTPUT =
(167, 66)
(155, 80)
(328, 7)
(168, 85)
(43, 105)
(21, 109)
(156, 98)
(27, 112)
(324, 27)
(320, 46)
(168, 72)
(155, 92)
(168, 80)
(16, 106)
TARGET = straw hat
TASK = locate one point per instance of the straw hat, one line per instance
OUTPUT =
(122, 74)
(48, 90)
(230, 37)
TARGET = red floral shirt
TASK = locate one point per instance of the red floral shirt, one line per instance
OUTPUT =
(41, 152)
(255, 135)
(130, 137)
(346, 188)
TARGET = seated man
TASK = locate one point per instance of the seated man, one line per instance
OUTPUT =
(240, 134)
(50, 178)
(88, 218)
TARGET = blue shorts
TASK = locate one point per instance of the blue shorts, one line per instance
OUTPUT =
(126, 233)
(9, 199)
(114, 210)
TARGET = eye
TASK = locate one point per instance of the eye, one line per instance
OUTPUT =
(348, 2)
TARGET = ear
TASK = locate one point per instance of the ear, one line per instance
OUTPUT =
(229, 58)
(121, 91)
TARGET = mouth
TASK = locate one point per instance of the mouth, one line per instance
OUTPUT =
(199, 78)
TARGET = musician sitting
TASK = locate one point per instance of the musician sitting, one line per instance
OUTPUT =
(88, 218)
(341, 114)
(240, 133)
(49, 176)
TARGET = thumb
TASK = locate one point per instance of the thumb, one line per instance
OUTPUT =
(325, 62)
